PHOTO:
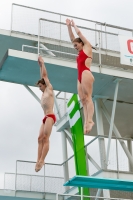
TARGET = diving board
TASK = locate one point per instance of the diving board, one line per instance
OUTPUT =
(101, 183)
(22, 68)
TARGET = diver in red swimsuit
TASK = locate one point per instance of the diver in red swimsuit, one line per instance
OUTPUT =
(85, 77)
(81, 64)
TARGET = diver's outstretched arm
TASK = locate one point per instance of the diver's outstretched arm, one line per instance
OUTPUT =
(71, 35)
(79, 33)
(43, 72)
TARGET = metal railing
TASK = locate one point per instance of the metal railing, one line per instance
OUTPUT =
(58, 31)
(51, 178)
(33, 183)
(40, 22)
(82, 197)
(51, 29)
(118, 160)
(34, 13)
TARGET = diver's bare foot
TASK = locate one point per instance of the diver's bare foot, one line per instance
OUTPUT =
(36, 166)
(88, 127)
(39, 166)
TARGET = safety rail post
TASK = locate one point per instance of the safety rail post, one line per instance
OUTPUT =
(60, 28)
(106, 37)
(117, 159)
(30, 182)
(56, 196)
(99, 52)
(16, 179)
(11, 19)
(129, 146)
(4, 181)
(101, 37)
(98, 194)
(81, 193)
(39, 36)
(95, 34)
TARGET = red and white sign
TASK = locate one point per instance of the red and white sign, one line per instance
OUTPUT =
(126, 50)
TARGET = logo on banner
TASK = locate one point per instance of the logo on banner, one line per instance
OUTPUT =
(126, 50)
(130, 46)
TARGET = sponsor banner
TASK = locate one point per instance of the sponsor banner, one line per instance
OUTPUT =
(126, 50)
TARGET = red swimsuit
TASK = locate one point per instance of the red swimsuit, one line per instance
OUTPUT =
(49, 115)
(81, 64)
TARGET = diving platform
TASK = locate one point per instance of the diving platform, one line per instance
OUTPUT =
(18, 66)
(102, 183)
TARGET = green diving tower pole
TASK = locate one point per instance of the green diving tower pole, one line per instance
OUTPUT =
(76, 127)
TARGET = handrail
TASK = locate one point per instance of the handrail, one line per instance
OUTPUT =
(17, 174)
(31, 47)
(91, 29)
(107, 198)
(34, 175)
(97, 22)
(97, 137)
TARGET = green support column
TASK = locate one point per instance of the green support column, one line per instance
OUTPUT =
(76, 126)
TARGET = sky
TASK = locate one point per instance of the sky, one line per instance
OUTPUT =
(20, 113)
(112, 12)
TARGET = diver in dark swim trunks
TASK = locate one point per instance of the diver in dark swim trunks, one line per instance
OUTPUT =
(85, 77)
